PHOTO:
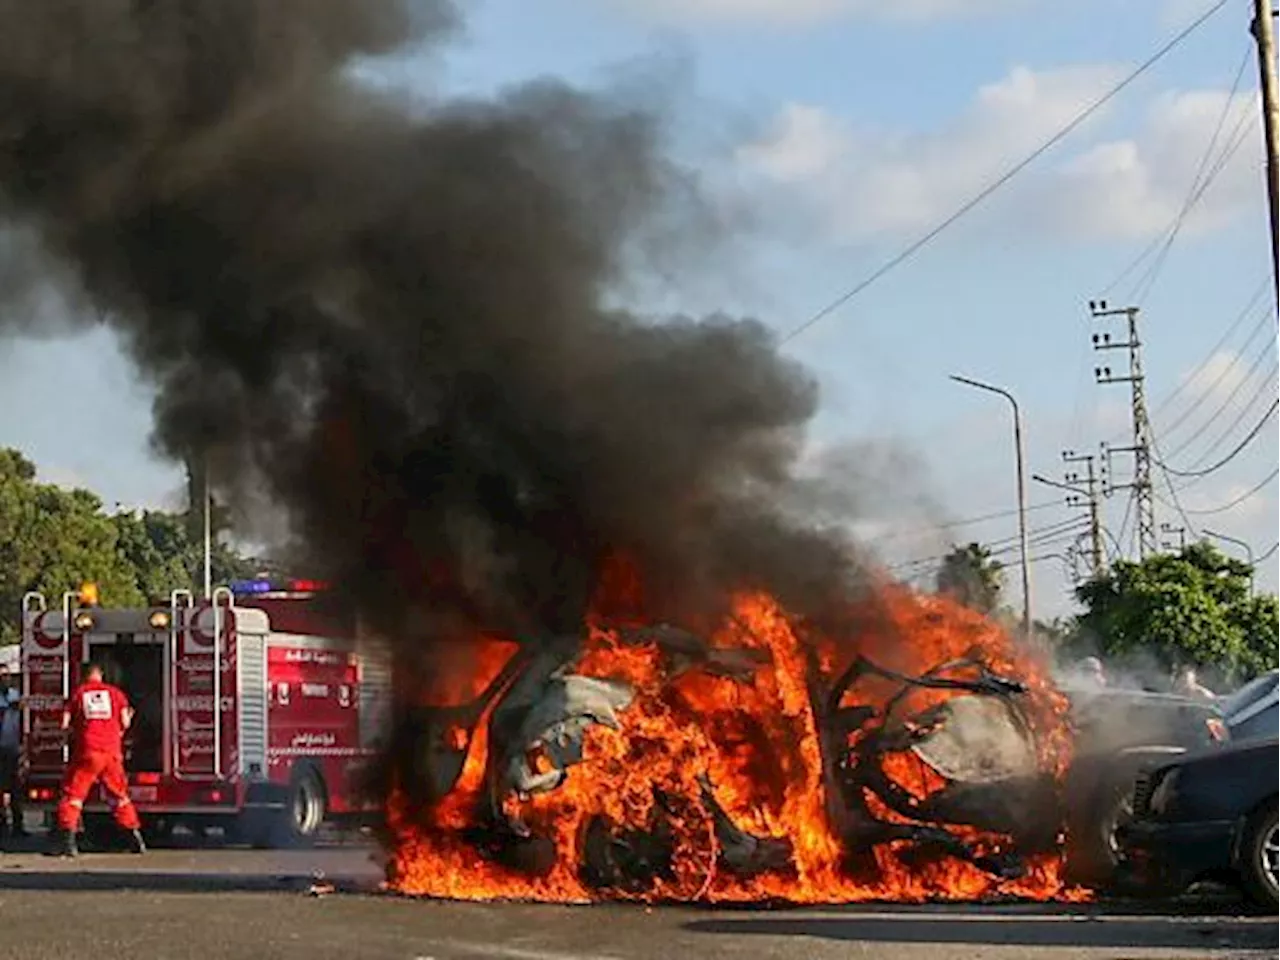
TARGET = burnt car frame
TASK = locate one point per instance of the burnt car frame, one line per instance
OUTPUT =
(981, 741)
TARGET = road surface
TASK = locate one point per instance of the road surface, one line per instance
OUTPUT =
(226, 904)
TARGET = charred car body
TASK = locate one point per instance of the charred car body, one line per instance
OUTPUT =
(968, 725)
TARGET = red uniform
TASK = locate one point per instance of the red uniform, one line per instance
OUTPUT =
(97, 712)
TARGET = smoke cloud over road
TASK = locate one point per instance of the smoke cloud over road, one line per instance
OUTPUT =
(389, 318)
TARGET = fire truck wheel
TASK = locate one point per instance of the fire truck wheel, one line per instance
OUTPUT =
(306, 808)
(304, 811)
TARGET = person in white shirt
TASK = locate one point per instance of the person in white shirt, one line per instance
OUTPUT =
(10, 757)
(1189, 685)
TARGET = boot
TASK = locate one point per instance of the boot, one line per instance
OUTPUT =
(136, 843)
(63, 844)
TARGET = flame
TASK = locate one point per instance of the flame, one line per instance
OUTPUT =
(757, 743)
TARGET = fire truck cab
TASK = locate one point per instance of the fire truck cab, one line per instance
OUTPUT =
(255, 713)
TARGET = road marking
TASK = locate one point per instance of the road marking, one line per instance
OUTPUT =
(511, 953)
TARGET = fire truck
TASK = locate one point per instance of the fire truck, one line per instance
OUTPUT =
(256, 709)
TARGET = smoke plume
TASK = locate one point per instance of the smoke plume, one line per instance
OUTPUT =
(389, 318)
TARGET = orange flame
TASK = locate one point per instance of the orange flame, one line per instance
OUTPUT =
(757, 743)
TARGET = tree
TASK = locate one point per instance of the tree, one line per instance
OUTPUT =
(972, 577)
(1192, 607)
(52, 540)
(160, 548)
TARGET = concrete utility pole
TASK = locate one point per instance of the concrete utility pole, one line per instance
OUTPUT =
(1020, 456)
(1096, 552)
(1263, 31)
(1083, 497)
(1143, 492)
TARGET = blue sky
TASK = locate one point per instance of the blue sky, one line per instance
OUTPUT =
(844, 129)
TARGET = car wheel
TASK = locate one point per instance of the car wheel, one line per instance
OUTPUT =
(1117, 813)
(1260, 858)
(1094, 849)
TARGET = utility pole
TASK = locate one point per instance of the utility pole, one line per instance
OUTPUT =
(1263, 31)
(1143, 493)
(1180, 531)
(1086, 496)
(1097, 554)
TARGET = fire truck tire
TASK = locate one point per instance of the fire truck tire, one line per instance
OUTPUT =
(295, 823)
(304, 812)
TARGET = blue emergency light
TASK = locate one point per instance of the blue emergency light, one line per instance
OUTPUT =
(250, 586)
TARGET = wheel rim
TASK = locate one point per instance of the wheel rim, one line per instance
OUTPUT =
(1270, 853)
(1121, 814)
(303, 809)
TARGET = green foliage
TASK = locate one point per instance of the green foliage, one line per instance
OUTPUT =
(52, 540)
(160, 548)
(1193, 607)
(972, 577)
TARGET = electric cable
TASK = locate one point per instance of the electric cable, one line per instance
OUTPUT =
(913, 248)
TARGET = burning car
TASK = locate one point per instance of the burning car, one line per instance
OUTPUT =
(654, 762)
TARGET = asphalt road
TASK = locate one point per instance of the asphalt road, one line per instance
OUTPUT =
(224, 904)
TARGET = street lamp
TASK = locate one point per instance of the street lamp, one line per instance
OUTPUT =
(1239, 543)
(1020, 456)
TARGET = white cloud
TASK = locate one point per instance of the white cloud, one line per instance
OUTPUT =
(1134, 187)
(869, 182)
(806, 12)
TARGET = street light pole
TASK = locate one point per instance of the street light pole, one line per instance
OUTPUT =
(1020, 456)
(1248, 550)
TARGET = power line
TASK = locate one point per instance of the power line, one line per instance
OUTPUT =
(1233, 454)
(913, 248)
(1213, 351)
(1238, 500)
(1269, 554)
(1207, 392)
(1173, 492)
(960, 523)
(1228, 400)
(995, 547)
(1266, 384)
(1239, 134)
(1197, 188)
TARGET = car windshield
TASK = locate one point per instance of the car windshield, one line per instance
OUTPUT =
(1255, 689)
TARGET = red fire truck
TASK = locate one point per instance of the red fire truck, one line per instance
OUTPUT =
(255, 709)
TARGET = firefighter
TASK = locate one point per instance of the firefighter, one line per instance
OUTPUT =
(97, 716)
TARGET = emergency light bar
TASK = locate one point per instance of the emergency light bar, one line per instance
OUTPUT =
(277, 586)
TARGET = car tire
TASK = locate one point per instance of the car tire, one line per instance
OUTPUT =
(1260, 857)
(1095, 853)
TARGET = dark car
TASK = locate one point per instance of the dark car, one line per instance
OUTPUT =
(1119, 733)
(1209, 815)
(1253, 711)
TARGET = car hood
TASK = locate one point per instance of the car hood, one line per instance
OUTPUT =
(1232, 749)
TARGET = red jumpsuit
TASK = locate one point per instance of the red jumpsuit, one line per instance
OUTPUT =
(97, 729)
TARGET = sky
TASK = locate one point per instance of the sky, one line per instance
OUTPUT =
(829, 136)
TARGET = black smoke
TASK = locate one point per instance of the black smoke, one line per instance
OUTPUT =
(389, 318)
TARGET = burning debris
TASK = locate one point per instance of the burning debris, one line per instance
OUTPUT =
(391, 323)
(783, 781)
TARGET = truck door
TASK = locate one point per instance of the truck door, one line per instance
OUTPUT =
(50, 648)
(203, 705)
